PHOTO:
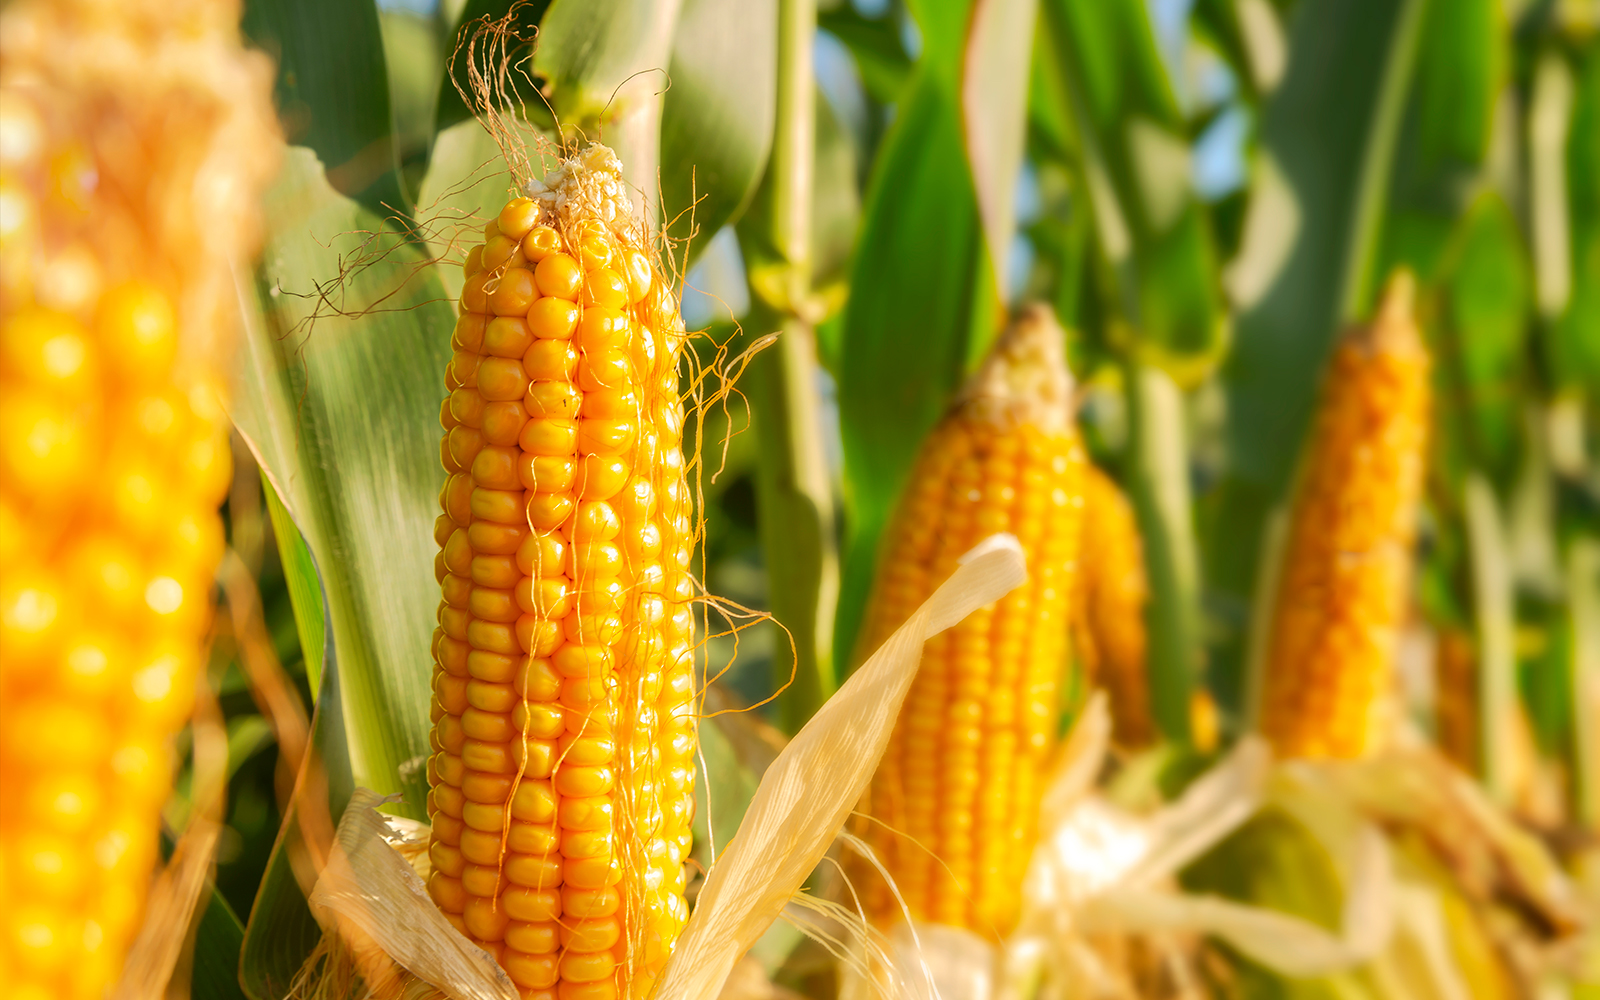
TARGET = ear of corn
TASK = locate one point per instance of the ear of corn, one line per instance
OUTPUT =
(1108, 629)
(956, 797)
(564, 728)
(1346, 559)
(134, 139)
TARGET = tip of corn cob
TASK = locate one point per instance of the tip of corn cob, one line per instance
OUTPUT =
(1025, 378)
(1393, 326)
(587, 185)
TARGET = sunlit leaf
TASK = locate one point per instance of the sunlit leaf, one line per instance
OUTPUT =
(332, 89)
(339, 395)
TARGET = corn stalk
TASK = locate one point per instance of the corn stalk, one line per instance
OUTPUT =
(794, 493)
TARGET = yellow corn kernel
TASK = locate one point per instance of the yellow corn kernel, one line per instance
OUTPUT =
(137, 137)
(955, 800)
(1330, 655)
(582, 727)
(1108, 627)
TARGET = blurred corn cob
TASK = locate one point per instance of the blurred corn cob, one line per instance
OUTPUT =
(956, 797)
(1108, 630)
(134, 138)
(1329, 660)
(564, 716)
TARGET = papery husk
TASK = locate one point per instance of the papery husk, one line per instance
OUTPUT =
(371, 899)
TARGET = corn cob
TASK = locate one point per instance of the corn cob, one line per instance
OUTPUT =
(1108, 631)
(1346, 563)
(134, 138)
(956, 796)
(564, 720)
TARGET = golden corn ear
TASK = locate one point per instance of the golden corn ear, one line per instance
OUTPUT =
(956, 798)
(1341, 590)
(1108, 630)
(134, 138)
(564, 720)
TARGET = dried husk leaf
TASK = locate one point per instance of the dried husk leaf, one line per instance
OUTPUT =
(370, 896)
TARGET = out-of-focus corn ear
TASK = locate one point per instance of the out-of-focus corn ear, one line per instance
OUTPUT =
(955, 801)
(1108, 628)
(564, 696)
(1346, 560)
(134, 140)
(1455, 701)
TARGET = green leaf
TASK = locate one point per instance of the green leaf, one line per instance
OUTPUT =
(1461, 71)
(880, 57)
(1327, 133)
(218, 938)
(1272, 862)
(332, 89)
(281, 931)
(340, 393)
(1574, 339)
(717, 118)
(922, 309)
(1488, 304)
(247, 736)
(303, 583)
(1110, 90)
(411, 49)
(588, 49)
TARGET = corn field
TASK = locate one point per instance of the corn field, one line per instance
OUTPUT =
(774, 499)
